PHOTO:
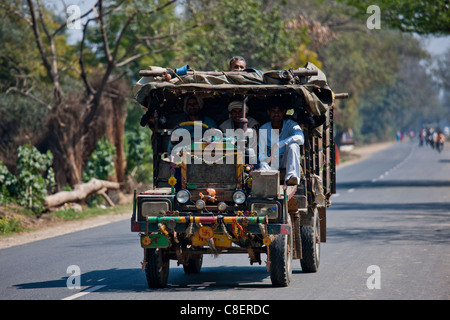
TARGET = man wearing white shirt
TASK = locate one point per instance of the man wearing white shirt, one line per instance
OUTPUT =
(281, 139)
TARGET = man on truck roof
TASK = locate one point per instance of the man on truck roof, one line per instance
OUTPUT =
(281, 139)
(237, 63)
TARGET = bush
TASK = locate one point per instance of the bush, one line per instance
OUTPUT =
(8, 225)
(101, 162)
(8, 184)
(35, 178)
(100, 165)
(139, 155)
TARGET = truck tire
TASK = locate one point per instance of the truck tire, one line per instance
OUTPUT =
(194, 265)
(310, 235)
(157, 267)
(280, 255)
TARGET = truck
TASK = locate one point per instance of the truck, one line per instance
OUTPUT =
(208, 196)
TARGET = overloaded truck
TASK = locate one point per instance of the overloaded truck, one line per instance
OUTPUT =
(209, 195)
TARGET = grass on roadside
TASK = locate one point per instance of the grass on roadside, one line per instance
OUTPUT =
(10, 225)
(89, 212)
(15, 219)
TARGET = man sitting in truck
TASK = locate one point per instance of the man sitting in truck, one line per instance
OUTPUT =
(193, 109)
(235, 110)
(281, 139)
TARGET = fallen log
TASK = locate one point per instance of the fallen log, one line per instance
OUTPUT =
(80, 192)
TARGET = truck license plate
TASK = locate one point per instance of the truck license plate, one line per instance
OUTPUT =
(220, 240)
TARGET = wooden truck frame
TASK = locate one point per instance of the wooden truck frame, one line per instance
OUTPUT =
(225, 206)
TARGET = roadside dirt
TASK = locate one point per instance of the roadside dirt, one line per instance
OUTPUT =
(46, 227)
(361, 153)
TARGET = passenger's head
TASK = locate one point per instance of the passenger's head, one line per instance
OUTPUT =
(276, 112)
(235, 109)
(192, 105)
(237, 63)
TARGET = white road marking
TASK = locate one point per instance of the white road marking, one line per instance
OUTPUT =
(83, 293)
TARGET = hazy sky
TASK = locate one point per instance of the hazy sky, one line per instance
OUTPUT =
(437, 45)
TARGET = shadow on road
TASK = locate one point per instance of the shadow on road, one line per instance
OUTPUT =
(133, 280)
(392, 184)
(412, 223)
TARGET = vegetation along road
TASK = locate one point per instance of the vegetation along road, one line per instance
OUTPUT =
(388, 236)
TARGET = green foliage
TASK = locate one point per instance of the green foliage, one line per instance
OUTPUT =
(406, 105)
(34, 179)
(422, 17)
(367, 64)
(139, 155)
(101, 162)
(8, 184)
(371, 67)
(241, 27)
(71, 214)
(35, 176)
(9, 225)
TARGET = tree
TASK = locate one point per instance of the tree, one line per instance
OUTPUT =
(422, 17)
(249, 28)
(442, 72)
(114, 36)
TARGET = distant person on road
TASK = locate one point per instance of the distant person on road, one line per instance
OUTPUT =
(422, 137)
(440, 141)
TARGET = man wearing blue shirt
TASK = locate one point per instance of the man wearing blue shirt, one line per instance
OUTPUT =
(279, 144)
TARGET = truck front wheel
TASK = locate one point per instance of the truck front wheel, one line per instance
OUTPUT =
(280, 255)
(157, 267)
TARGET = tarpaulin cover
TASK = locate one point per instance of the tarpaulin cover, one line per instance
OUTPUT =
(313, 90)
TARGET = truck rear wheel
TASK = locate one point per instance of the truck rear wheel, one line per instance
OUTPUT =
(310, 235)
(157, 267)
(194, 265)
(280, 255)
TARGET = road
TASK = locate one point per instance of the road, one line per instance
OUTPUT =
(388, 234)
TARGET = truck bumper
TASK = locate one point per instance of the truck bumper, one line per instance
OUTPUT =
(180, 223)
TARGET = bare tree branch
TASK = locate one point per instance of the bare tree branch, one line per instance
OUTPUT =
(28, 94)
(17, 13)
(64, 25)
(83, 74)
(37, 36)
(100, 16)
(160, 37)
(51, 67)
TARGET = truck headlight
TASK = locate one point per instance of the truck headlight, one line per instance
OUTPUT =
(154, 208)
(222, 206)
(183, 196)
(239, 197)
(265, 209)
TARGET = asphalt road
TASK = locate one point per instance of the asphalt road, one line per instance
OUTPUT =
(388, 235)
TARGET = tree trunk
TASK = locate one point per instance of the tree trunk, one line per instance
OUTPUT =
(80, 192)
(74, 128)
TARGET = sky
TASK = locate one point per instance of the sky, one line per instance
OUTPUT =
(437, 45)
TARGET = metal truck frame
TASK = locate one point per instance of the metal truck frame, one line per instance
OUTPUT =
(225, 206)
